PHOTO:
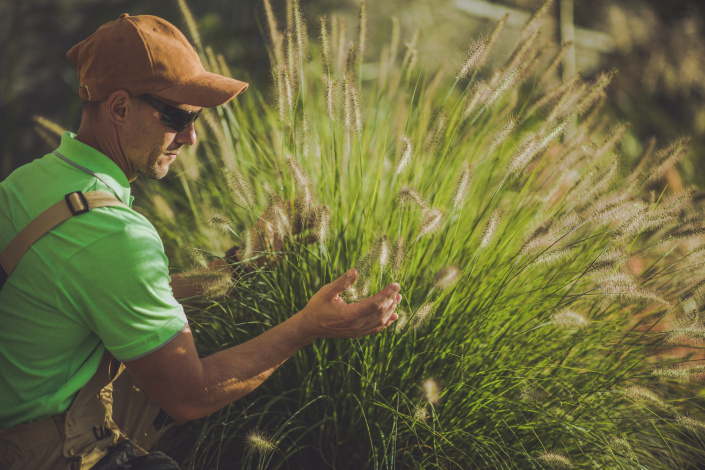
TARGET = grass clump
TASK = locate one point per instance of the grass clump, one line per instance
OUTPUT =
(537, 268)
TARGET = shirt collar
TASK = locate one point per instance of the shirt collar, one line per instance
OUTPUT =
(97, 162)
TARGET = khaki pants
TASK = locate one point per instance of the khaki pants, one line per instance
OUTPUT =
(79, 438)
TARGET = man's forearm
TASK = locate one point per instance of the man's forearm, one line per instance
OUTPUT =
(198, 387)
(230, 374)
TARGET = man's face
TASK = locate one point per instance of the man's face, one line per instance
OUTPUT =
(153, 146)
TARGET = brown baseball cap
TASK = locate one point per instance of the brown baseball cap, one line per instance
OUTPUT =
(147, 55)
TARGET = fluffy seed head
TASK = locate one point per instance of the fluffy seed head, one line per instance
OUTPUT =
(538, 236)
(304, 202)
(353, 115)
(496, 32)
(691, 423)
(693, 290)
(219, 222)
(569, 320)
(322, 228)
(595, 91)
(402, 321)
(524, 154)
(384, 251)
(679, 373)
(463, 184)
(623, 287)
(477, 99)
(325, 46)
(479, 50)
(608, 261)
(535, 21)
(292, 59)
(431, 391)
(436, 132)
(196, 256)
(620, 445)
(490, 229)
(274, 34)
(259, 442)
(248, 250)
(404, 157)
(530, 394)
(666, 158)
(278, 214)
(555, 256)
(362, 30)
(474, 58)
(431, 221)
(411, 56)
(420, 414)
(409, 197)
(566, 105)
(565, 89)
(508, 81)
(505, 130)
(555, 460)
(422, 315)
(399, 255)
(330, 97)
(446, 277)
(351, 60)
(642, 394)
(356, 107)
(211, 283)
(300, 31)
(240, 187)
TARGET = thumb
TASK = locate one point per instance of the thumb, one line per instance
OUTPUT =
(341, 284)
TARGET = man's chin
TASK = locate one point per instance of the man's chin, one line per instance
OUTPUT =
(156, 173)
(160, 168)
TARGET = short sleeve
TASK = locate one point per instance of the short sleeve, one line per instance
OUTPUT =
(118, 287)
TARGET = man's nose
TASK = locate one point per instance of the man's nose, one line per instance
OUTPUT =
(188, 135)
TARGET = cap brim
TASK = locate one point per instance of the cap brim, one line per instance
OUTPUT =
(205, 90)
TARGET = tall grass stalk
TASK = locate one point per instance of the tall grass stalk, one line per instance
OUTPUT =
(546, 343)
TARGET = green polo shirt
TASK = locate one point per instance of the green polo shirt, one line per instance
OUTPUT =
(98, 281)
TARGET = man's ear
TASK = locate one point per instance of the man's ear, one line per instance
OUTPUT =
(118, 106)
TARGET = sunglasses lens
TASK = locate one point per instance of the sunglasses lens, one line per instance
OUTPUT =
(177, 119)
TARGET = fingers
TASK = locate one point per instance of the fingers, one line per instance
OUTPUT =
(376, 310)
(381, 300)
(387, 317)
(341, 284)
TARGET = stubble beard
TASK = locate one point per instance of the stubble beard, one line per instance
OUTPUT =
(156, 168)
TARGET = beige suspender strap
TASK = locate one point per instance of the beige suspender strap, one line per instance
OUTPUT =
(73, 204)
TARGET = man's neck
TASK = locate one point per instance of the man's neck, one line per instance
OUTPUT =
(106, 141)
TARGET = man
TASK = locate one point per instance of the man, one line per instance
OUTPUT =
(98, 285)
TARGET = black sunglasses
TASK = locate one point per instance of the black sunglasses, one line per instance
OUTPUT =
(177, 119)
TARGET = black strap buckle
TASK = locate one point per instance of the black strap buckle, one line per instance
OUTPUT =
(77, 202)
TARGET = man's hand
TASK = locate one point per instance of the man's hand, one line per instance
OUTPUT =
(328, 316)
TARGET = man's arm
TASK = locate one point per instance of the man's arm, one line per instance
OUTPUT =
(188, 387)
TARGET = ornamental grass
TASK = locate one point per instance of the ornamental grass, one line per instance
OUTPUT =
(550, 287)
